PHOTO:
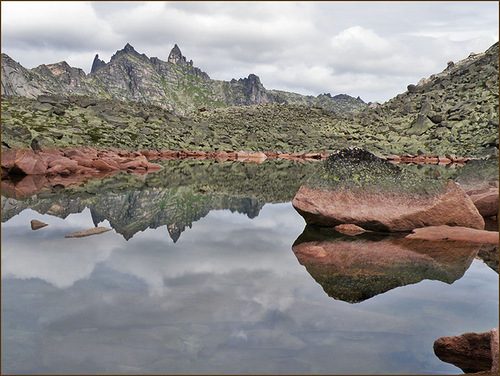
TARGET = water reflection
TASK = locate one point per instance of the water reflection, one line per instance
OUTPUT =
(228, 297)
(354, 269)
(179, 195)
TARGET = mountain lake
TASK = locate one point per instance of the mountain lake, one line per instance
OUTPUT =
(201, 274)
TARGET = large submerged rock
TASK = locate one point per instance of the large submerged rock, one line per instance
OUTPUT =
(472, 352)
(354, 269)
(356, 187)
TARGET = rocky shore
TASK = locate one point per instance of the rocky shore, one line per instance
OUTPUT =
(472, 352)
(26, 171)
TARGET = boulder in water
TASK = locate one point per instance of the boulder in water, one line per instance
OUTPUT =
(356, 187)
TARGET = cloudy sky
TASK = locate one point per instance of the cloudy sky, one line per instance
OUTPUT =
(365, 48)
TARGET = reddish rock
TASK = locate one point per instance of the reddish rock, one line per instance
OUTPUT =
(246, 156)
(463, 234)
(444, 160)
(349, 229)
(36, 224)
(432, 160)
(49, 157)
(394, 158)
(153, 167)
(89, 232)
(150, 154)
(257, 157)
(169, 154)
(8, 158)
(195, 153)
(312, 155)
(139, 162)
(62, 166)
(485, 200)
(387, 211)
(24, 162)
(222, 156)
(26, 187)
(271, 154)
(284, 156)
(85, 162)
(100, 165)
(471, 352)
(114, 162)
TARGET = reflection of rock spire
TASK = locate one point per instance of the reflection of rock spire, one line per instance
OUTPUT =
(96, 217)
(174, 231)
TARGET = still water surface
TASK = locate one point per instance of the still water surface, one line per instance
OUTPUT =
(199, 281)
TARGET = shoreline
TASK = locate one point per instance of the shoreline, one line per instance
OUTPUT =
(26, 172)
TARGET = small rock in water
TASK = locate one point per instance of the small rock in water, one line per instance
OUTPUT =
(349, 229)
(90, 231)
(36, 224)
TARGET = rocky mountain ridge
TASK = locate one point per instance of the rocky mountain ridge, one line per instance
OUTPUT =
(175, 84)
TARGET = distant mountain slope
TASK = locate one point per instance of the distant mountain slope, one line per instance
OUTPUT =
(175, 84)
(453, 111)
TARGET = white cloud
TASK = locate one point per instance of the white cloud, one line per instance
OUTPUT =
(311, 47)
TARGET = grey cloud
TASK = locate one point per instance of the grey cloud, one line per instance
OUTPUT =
(399, 42)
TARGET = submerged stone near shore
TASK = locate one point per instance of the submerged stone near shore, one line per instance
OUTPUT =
(471, 352)
(356, 187)
(36, 224)
(89, 232)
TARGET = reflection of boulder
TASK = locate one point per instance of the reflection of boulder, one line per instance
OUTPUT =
(358, 188)
(354, 269)
(489, 254)
(472, 352)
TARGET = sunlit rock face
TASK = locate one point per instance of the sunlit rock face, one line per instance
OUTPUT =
(356, 187)
(354, 269)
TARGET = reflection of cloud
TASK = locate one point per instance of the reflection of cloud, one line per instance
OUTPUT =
(150, 255)
(46, 254)
(213, 302)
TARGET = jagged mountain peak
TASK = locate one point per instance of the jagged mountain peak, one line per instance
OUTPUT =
(175, 84)
(176, 56)
(60, 64)
(129, 48)
(97, 64)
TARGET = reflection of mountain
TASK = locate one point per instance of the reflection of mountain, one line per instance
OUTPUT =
(354, 269)
(180, 194)
(134, 211)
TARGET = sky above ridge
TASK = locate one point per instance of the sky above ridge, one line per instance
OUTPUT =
(370, 49)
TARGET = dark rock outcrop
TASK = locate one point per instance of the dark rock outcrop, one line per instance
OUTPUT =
(97, 64)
